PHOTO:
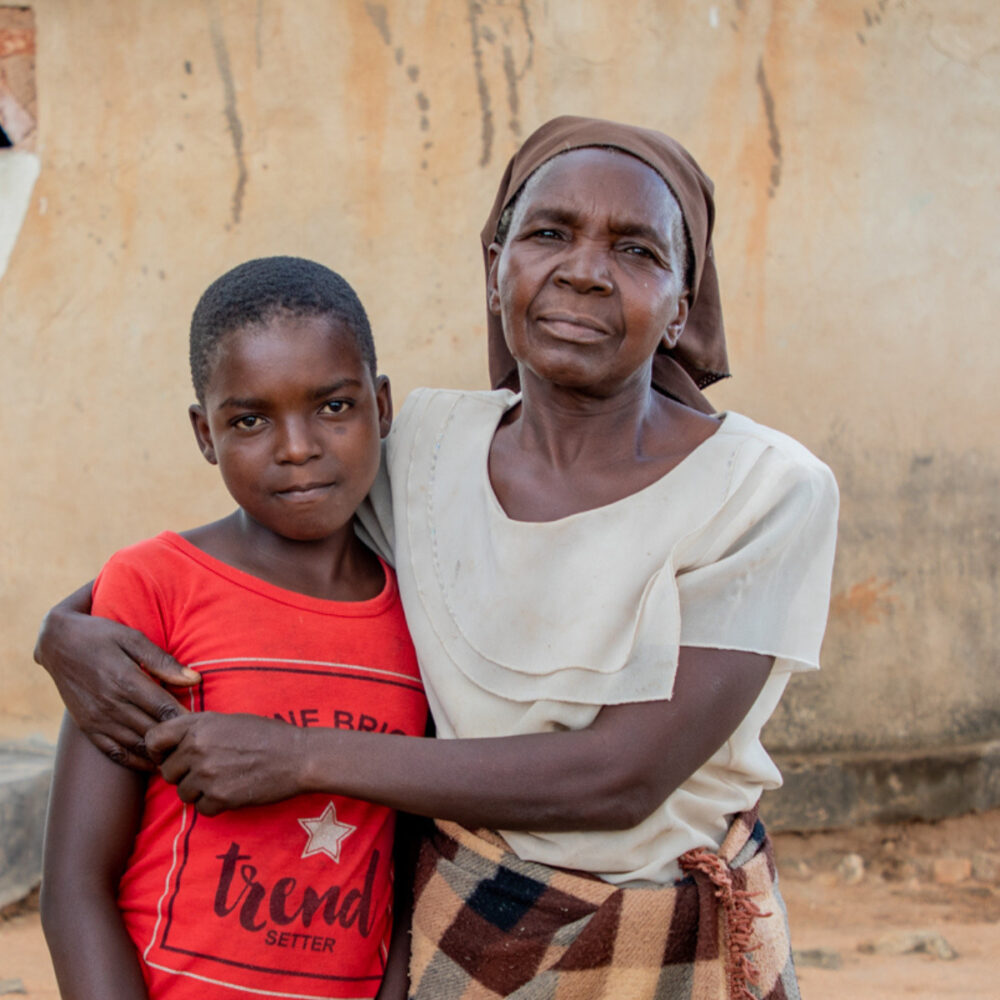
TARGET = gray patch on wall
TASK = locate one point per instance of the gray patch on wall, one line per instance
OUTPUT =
(928, 525)
(904, 718)
(19, 166)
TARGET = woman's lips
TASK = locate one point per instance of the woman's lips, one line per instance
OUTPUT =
(577, 329)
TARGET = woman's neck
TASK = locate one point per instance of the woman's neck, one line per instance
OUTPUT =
(565, 426)
(563, 451)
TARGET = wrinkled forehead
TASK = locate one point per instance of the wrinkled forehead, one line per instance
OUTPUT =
(581, 158)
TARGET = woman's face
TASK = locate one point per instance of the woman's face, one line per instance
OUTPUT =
(591, 277)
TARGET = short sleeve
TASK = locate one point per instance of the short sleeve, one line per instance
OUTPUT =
(756, 576)
(125, 591)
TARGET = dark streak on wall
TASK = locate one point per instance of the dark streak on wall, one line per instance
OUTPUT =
(773, 136)
(486, 111)
(233, 123)
(378, 15)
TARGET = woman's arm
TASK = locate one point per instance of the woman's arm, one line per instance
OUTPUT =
(611, 775)
(94, 811)
(95, 664)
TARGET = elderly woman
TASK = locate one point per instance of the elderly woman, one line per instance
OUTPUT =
(608, 586)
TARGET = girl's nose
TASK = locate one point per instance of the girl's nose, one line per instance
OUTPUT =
(296, 443)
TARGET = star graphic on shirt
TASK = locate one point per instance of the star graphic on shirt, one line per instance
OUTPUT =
(326, 834)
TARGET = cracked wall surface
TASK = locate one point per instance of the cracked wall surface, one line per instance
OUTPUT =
(853, 146)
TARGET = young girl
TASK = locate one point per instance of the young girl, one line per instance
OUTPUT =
(608, 586)
(287, 615)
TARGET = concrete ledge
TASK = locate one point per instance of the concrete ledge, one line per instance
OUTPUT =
(835, 790)
(821, 791)
(25, 776)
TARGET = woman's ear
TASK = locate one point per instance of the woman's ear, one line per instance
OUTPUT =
(202, 432)
(676, 326)
(492, 287)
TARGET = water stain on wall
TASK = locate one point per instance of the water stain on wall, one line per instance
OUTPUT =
(868, 602)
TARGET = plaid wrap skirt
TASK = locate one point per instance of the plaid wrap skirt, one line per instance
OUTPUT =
(487, 924)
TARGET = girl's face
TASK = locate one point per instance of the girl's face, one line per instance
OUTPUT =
(591, 278)
(294, 420)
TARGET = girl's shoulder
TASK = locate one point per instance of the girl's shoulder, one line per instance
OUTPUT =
(146, 557)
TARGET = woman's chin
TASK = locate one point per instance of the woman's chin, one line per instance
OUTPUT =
(586, 379)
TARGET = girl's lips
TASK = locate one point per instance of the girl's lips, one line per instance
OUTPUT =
(309, 491)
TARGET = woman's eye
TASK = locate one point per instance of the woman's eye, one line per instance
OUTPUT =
(547, 234)
(636, 251)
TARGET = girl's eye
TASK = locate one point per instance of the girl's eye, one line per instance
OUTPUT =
(248, 422)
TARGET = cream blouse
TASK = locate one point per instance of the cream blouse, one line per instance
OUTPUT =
(524, 627)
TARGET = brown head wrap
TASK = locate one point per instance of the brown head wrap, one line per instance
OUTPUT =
(699, 357)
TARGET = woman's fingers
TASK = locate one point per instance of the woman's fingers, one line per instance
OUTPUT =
(94, 663)
(221, 761)
(140, 701)
(120, 753)
(156, 662)
(162, 739)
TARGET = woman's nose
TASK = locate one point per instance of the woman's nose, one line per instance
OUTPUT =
(585, 268)
(296, 443)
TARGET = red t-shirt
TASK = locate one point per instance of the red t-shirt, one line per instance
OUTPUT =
(286, 900)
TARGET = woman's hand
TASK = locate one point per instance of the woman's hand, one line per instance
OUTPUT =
(609, 776)
(95, 664)
(219, 761)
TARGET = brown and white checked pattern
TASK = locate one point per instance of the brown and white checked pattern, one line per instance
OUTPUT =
(488, 925)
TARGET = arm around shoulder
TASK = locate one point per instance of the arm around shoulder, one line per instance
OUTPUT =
(98, 667)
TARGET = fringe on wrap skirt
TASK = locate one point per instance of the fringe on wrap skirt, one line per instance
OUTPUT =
(487, 924)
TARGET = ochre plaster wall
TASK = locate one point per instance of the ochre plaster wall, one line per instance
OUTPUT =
(854, 146)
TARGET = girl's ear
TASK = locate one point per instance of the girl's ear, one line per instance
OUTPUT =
(383, 400)
(202, 432)
(676, 326)
(492, 288)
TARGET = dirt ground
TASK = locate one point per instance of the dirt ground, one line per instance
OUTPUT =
(877, 913)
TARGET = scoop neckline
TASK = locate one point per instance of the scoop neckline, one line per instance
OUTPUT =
(366, 608)
(497, 507)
